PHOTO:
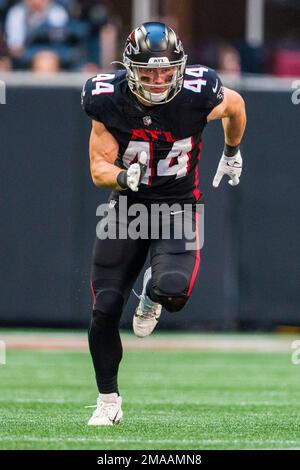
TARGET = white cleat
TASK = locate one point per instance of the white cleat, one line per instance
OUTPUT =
(147, 313)
(108, 410)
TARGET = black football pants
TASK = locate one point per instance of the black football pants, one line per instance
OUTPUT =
(115, 268)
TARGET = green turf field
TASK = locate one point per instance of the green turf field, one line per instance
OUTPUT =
(171, 400)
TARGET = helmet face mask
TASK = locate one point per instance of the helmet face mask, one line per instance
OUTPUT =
(154, 46)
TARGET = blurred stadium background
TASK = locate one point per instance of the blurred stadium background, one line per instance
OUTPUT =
(237, 388)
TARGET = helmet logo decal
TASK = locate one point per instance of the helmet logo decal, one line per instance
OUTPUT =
(132, 47)
(178, 45)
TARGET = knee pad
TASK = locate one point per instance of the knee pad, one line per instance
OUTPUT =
(173, 304)
(109, 302)
(171, 289)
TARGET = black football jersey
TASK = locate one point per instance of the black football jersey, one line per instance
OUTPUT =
(169, 133)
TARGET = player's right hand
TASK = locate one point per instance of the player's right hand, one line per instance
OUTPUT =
(135, 173)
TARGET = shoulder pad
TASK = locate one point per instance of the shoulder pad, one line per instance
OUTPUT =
(206, 85)
(96, 92)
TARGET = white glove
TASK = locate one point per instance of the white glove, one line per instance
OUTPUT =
(231, 166)
(135, 173)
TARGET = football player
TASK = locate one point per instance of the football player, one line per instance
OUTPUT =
(147, 121)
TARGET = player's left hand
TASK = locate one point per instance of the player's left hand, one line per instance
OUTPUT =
(231, 166)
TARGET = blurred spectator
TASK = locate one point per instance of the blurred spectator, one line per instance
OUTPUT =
(285, 63)
(5, 64)
(27, 16)
(229, 60)
(5, 61)
(34, 22)
(79, 32)
(45, 62)
(218, 55)
(102, 41)
(108, 37)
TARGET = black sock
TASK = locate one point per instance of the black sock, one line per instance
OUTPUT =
(106, 350)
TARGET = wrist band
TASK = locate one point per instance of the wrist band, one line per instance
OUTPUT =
(122, 179)
(231, 151)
